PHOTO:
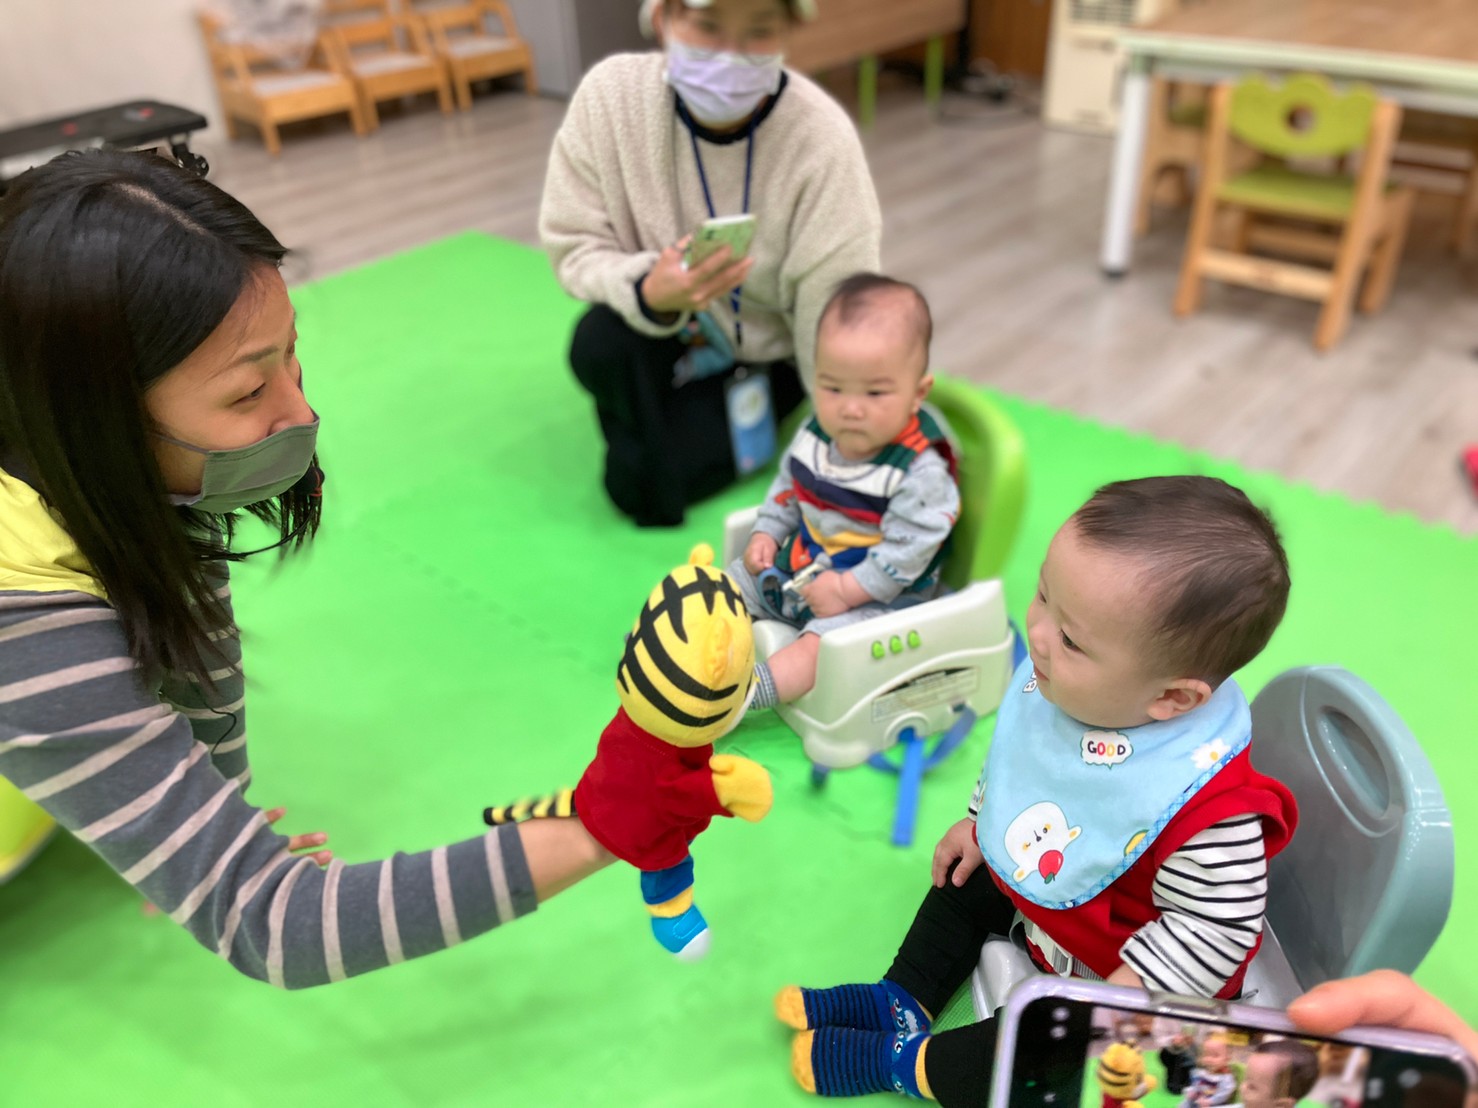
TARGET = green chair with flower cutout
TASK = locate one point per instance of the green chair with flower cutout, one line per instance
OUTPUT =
(1356, 224)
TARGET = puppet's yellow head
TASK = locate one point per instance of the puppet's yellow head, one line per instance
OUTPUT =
(689, 663)
(1121, 1073)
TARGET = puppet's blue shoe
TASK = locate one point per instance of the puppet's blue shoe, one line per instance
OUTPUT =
(685, 935)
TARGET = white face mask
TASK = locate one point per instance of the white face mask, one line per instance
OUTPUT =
(719, 86)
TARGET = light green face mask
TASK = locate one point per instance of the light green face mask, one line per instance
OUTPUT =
(248, 474)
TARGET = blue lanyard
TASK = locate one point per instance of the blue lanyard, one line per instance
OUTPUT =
(736, 296)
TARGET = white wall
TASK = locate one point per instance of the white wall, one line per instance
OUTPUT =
(59, 56)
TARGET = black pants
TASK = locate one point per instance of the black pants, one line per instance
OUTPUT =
(666, 448)
(1178, 1065)
(939, 952)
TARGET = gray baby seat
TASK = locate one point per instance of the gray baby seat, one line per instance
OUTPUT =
(1366, 882)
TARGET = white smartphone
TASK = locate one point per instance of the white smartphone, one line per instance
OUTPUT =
(1065, 1043)
(734, 231)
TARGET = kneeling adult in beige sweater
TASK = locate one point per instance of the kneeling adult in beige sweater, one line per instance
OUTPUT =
(653, 145)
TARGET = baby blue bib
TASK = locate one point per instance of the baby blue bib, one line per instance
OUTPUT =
(1066, 809)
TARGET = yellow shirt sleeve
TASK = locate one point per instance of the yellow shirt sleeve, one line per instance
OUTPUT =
(36, 552)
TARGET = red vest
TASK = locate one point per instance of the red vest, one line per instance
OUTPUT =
(644, 799)
(1094, 932)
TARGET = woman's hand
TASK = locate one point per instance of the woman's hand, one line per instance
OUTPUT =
(959, 845)
(306, 845)
(1384, 998)
(671, 288)
(759, 555)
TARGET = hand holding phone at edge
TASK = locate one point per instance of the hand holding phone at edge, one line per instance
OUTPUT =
(1384, 998)
(671, 288)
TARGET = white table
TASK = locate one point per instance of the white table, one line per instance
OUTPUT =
(1420, 53)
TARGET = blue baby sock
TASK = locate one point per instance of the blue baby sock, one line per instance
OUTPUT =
(847, 1062)
(881, 1006)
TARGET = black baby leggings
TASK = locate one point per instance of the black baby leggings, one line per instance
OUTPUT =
(666, 447)
(939, 952)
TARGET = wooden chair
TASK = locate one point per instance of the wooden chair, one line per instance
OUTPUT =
(386, 54)
(255, 88)
(854, 34)
(1439, 154)
(470, 51)
(1279, 206)
(1177, 132)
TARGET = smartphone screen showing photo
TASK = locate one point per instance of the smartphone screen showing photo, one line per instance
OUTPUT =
(1071, 1053)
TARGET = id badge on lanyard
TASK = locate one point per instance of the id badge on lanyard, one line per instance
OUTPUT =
(748, 400)
(751, 411)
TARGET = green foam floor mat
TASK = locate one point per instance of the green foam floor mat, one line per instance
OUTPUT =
(450, 642)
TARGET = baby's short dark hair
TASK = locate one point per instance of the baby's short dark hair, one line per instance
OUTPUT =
(861, 296)
(1215, 561)
(1299, 1066)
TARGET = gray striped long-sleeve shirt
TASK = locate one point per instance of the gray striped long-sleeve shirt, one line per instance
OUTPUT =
(152, 779)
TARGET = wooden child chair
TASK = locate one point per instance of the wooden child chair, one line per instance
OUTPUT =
(469, 50)
(259, 88)
(1177, 132)
(1289, 210)
(1441, 152)
(385, 53)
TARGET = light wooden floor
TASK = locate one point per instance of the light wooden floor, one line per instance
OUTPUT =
(998, 220)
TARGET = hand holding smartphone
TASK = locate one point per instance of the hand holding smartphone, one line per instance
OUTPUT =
(681, 282)
(734, 231)
(1065, 1042)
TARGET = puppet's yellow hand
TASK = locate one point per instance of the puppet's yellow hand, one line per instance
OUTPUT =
(743, 786)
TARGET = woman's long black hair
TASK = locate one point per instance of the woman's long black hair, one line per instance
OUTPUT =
(114, 267)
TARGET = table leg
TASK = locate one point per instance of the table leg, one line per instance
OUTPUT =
(867, 91)
(934, 72)
(1118, 221)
